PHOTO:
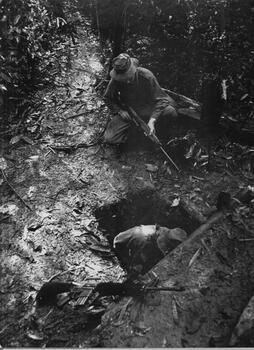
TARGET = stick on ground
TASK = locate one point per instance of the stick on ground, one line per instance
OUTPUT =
(13, 189)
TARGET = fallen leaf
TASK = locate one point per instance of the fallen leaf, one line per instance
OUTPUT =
(251, 188)
(244, 97)
(25, 233)
(44, 214)
(34, 336)
(16, 19)
(203, 164)
(195, 256)
(3, 163)
(152, 168)
(33, 128)
(175, 312)
(2, 87)
(175, 202)
(10, 209)
(86, 224)
(100, 249)
(15, 139)
(31, 191)
(126, 167)
(190, 152)
(164, 342)
(197, 156)
(5, 77)
(34, 226)
(169, 283)
(27, 140)
(169, 171)
(76, 233)
(96, 311)
(231, 118)
(92, 240)
(33, 158)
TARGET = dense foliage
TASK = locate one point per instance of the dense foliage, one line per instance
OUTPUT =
(28, 33)
(185, 41)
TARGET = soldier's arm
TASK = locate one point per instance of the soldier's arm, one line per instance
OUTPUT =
(155, 91)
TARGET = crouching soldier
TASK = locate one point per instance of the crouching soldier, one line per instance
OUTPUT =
(141, 247)
(139, 89)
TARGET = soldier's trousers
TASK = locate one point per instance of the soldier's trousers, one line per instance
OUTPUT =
(118, 128)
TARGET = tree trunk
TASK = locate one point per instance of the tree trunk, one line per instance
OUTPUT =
(118, 38)
(212, 103)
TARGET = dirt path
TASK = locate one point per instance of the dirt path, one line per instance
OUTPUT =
(62, 192)
(78, 198)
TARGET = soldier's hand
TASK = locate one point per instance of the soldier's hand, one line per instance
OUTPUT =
(125, 115)
(151, 126)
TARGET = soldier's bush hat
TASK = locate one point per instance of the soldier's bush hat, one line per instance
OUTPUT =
(124, 67)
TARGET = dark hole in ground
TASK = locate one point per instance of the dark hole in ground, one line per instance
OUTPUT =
(142, 208)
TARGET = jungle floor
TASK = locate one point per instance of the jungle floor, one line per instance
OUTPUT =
(74, 203)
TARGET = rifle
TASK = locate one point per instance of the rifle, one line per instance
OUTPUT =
(146, 130)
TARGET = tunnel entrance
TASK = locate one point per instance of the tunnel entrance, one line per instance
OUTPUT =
(143, 208)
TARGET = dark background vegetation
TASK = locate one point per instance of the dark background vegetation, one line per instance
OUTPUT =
(183, 42)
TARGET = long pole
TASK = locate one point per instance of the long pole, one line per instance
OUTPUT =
(139, 122)
(169, 158)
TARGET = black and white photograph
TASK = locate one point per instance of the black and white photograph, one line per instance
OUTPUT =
(126, 173)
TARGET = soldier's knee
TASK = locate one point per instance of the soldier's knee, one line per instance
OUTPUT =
(116, 132)
(111, 137)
